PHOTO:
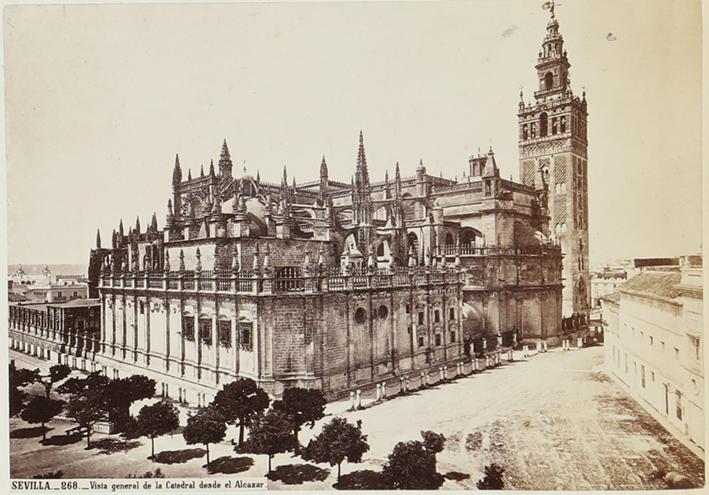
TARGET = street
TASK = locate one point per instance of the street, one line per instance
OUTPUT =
(553, 422)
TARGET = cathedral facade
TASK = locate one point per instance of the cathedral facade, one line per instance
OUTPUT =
(336, 285)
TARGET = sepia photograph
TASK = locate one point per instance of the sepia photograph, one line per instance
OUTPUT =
(378, 245)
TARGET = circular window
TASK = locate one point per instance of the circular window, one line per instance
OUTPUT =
(383, 312)
(360, 315)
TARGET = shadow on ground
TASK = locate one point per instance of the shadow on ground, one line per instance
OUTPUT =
(62, 439)
(230, 465)
(179, 456)
(365, 479)
(113, 445)
(28, 432)
(456, 476)
(295, 474)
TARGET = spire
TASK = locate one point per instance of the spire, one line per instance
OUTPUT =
(189, 174)
(137, 225)
(177, 172)
(258, 177)
(201, 170)
(323, 168)
(182, 261)
(225, 165)
(169, 217)
(120, 231)
(284, 182)
(491, 169)
(211, 168)
(114, 241)
(154, 223)
(362, 171)
(98, 239)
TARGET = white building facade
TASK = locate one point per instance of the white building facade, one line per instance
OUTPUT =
(654, 346)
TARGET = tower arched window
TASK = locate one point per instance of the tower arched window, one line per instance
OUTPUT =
(548, 80)
(554, 125)
(543, 124)
(562, 124)
(525, 132)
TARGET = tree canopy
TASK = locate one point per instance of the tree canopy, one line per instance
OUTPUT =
(412, 465)
(158, 419)
(270, 434)
(239, 402)
(41, 409)
(338, 440)
(303, 406)
(205, 427)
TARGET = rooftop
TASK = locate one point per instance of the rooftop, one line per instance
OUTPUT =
(654, 283)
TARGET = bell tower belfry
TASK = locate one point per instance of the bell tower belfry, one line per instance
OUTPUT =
(553, 153)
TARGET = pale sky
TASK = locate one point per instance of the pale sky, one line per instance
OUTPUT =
(99, 98)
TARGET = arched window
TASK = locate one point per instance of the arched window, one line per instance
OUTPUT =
(380, 250)
(562, 124)
(413, 241)
(548, 80)
(543, 124)
(449, 239)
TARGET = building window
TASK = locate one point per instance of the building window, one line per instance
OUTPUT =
(205, 331)
(652, 340)
(678, 404)
(224, 329)
(142, 307)
(534, 130)
(695, 344)
(525, 132)
(188, 328)
(421, 341)
(452, 337)
(676, 354)
(360, 315)
(420, 317)
(543, 124)
(562, 124)
(451, 314)
(438, 339)
(554, 125)
(383, 312)
(246, 335)
(408, 329)
(436, 316)
(408, 309)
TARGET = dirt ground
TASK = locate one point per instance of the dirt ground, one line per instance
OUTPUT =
(553, 422)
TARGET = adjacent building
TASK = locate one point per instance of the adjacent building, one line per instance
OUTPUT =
(654, 345)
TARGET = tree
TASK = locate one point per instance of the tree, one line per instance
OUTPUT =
(93, 382)
(493, 479)
(338, 440)
(158, 419)
(122, 393)
(19, 377)
(207, 426)
(56, 374)
(303, 406)
(40, 410)
(412, 465)
(269, 434)
(87, 409)
(240, 402)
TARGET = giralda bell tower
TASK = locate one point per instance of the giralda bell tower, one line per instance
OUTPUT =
(553, 158)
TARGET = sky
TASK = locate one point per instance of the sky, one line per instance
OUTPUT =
(100, 98)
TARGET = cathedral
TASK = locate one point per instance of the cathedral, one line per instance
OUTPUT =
(338, 284)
